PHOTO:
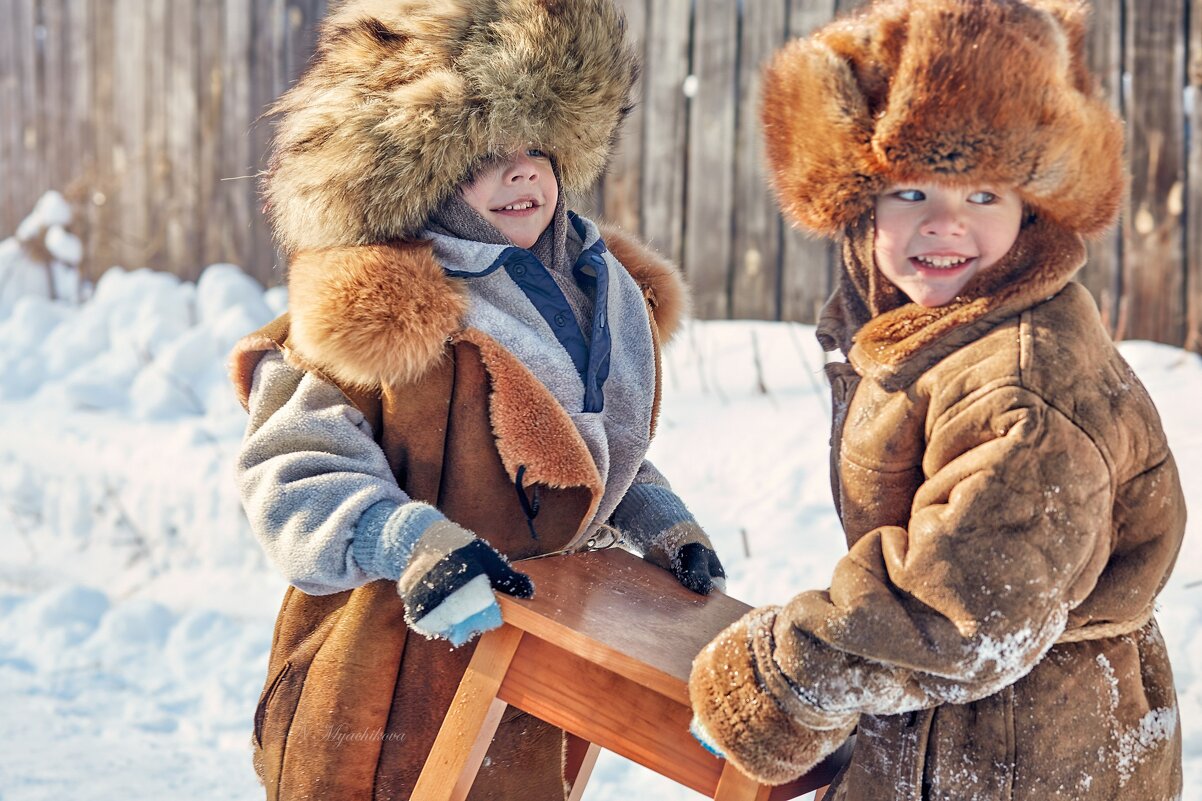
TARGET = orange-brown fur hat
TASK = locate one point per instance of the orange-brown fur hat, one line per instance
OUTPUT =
(951, 91)
(404, 98)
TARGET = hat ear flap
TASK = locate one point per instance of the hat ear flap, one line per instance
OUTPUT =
(818, 138)
(1080, 179)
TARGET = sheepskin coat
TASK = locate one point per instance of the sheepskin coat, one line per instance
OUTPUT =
(1010, 502)
(352, 702)
(1012, 510)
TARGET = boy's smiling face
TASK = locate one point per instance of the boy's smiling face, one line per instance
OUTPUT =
(517, 194)
(932, 239)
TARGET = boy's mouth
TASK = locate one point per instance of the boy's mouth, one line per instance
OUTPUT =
(941, 263)
(518, 207)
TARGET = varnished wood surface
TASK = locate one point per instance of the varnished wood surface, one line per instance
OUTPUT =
(469, 726)
(603, 651)
(610, 710)
(622, 613)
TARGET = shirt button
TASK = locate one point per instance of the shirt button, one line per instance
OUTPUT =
(560, 321)
(520, 269)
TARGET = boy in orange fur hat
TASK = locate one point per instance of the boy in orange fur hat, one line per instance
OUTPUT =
(1010, 502)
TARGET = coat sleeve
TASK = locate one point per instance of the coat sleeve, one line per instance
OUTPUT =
(1008, 533)
(317, 488)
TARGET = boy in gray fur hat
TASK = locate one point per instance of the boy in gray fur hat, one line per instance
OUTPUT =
(467, 374)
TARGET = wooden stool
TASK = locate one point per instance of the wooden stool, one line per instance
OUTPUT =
(603, 651)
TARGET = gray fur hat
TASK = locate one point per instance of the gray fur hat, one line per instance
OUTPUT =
(405, 98)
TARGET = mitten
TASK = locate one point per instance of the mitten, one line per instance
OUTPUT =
(449, 582)
(696, 566)
(747, 709)
(684, 550)
(704, 738)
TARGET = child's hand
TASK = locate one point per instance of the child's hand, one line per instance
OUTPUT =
(685, 551)
(448, 587)
(696, 566)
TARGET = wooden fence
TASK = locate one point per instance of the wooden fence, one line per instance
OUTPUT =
(144, 112)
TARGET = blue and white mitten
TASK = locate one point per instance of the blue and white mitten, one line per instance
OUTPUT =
(702, 735)
(654, 519)
(449, 582)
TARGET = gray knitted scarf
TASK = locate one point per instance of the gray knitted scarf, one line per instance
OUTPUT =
(457, 218)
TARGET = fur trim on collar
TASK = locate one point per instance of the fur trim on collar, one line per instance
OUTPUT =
(964, 92)
(662, 284)
(371, 315)
(404, 99)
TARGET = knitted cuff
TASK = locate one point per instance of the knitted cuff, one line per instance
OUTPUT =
(648, 513)
(387, 533)
(743, 719)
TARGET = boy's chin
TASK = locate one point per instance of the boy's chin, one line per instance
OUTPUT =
(523, 236)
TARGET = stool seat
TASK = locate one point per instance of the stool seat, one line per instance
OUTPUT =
(603, 651)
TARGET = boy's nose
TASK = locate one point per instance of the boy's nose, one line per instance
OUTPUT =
(943, 221)
(522, 169)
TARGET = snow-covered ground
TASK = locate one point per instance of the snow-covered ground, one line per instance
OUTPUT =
(136, 609)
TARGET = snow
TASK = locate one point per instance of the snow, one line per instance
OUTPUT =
(136, 610)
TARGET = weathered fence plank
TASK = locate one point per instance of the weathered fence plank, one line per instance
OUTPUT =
(210, 24)
(78, 134)
(620, 189)
(52, 55)
(805, 279)
(184, 214)
(156, 68)
(132, 181)
(1153, 267)
(1102, 273)
(709, 202)
(30, 167)
(10, 88)
(238, 165)
(101, 243)
(665, 125)
(1193, 203)
(757, 230)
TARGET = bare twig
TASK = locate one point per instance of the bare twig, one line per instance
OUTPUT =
(760, 386)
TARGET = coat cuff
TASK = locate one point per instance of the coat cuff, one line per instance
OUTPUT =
(386, 534)
(748, 723)
(656, 521)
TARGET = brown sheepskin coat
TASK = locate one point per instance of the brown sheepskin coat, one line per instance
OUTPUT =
(1011, 510)
(352, 703)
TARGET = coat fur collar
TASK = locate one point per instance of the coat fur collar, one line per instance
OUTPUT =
(895, 341)
(372, 315)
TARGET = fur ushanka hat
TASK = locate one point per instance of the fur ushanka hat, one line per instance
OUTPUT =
(404, 98)
(951, 91)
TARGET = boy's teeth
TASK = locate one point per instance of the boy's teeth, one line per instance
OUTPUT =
(941, 261)
(519, 206)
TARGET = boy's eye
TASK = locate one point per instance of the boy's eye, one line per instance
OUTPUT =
(535, 153)
(910, 195)
(984, 198)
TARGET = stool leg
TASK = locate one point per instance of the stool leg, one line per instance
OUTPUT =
(735, 786)
(471, 722)
(581, 758)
